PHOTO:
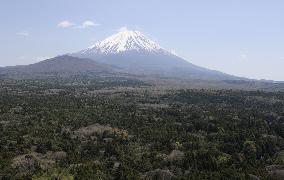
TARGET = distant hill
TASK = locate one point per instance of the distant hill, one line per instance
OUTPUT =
(61, 64)
(66, 66)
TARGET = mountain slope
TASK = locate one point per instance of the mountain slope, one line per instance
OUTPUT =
(61, 64)
(137, 54)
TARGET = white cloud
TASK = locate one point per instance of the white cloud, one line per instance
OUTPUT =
(23, 33)
(87, 24)
(65, 24)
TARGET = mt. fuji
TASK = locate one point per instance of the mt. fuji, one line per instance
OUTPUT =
(137, 54)
(127, 52)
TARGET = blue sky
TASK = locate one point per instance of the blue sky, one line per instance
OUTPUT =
(239, 37)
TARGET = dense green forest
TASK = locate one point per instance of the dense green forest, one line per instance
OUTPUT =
(119, 128)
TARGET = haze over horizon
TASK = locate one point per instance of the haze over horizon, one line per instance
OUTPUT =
(214, 35)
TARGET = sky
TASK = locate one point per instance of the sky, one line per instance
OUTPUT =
(239, 37)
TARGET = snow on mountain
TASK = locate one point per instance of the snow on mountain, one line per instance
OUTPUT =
(125, 40)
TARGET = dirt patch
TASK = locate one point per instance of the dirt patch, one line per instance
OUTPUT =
(99, 129)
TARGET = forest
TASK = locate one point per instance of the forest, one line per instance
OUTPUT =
(119, 128)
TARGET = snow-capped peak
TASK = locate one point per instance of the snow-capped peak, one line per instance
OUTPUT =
(124, 40)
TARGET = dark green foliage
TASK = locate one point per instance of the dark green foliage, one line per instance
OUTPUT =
(222, 134)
